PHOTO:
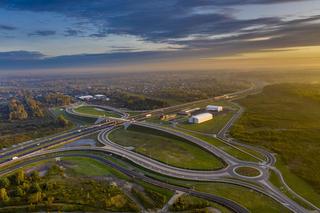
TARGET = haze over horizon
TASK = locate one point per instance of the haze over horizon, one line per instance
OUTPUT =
(148, 35)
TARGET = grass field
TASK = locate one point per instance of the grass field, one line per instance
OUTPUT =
(253, 201)
(59, 186)
(85, 172)
(228, 149)
(90, 110)
(285, 118)
(194, 204)
(57, 111)
(89, 167)
(247, 171)
(166, 148)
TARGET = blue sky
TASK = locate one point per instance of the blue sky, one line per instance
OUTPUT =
(36, 34)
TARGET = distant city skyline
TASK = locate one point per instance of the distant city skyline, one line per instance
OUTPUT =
(150, 35)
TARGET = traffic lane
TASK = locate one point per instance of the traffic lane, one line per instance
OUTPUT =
(220, 200)
(49, 142)
(155, 165)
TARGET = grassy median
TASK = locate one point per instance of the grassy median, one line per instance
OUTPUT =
(166, 148)
(92, 110)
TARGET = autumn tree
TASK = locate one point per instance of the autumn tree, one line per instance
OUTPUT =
(4, 195)
(4, 182)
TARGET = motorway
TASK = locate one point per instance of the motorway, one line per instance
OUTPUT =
(71, 110)
(40, 148)
(133, 174)
(226, 173)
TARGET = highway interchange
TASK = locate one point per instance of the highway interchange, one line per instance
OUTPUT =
(36, 150)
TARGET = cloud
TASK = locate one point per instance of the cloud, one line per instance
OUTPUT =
(7, 27)
(170, 22)
(20, 55)
(72, 32)
(231, 2)
(36, 60)
(42, 33)
(153, 20)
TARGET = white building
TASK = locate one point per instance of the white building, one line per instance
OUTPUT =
(85, 97)
(200, 118)
(99, 96)
(214, 108)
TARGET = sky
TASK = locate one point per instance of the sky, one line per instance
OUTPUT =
(153, 35)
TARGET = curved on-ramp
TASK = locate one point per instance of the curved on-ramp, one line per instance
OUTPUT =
(59, 153)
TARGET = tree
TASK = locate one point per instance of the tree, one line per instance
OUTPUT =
(35, 176)
(35, 197)
(50, 200)
(4, 182)
(19, 177)
(34, 107)
(35, 188)
(19, 192)
(16, 110)
(62, 121)
(4, 195)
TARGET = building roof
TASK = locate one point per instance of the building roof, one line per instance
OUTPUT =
(85, 96)
(203, 115)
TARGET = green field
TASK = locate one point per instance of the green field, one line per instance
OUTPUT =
(247, 171)
(194, 204)
(166, 148)
(57, 111)
(89, 167)
(211, 127)
(91, 110)
(253, 201)
(285, 118)
(229, 149)
(81, 184)
(59, 191)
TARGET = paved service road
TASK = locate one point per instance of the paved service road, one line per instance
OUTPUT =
(227, 174)
(222, 201)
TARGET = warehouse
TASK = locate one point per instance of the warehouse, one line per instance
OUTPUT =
(188, 111)
(214, 108)
(85, 97)
(200, 118)
(168, 117)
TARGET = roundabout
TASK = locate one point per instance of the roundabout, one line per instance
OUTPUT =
(247, 172)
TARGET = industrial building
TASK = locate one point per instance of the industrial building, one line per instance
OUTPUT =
(214, 108)
(168, 117)
(101, 97)
(200, 118)
(188, 111)
(85, 97)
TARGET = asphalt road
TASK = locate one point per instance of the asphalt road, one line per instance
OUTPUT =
(32, 150)
(220, 200)
(228, 172)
